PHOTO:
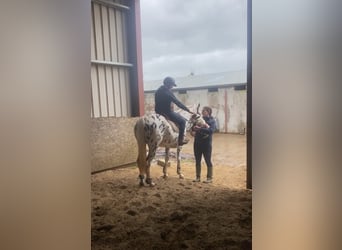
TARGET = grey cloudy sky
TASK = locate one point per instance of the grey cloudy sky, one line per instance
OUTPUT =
(199, 36)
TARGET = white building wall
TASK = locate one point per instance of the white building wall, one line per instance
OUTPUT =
(228, 106)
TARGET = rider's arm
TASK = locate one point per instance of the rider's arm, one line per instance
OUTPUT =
(177, 102)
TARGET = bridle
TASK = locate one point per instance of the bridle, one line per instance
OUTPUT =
(192, 121)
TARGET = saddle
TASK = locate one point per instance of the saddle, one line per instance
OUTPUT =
(175, 128)
(173, 125)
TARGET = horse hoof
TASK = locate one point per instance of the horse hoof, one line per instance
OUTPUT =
(165, 176)
(149, 181)
(181, 176)
(152, 184)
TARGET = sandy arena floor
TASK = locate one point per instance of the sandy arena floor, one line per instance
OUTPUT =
(176, 213)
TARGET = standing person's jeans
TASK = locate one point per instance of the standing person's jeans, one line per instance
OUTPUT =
(180, 121)
(203, 148)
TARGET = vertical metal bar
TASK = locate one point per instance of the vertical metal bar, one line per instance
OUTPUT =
(225, 111)
(135, 57)
(111, 40)
(93, 23)
(119, 84)
(92, 103)
(117, 91)
(120, 36)
(124, 91)
(106, 85)
(98, 89)
(99, 48)
(138, 50)
(128, 91)
(110, 36)
(249, 94)
(116, 36)
(95, 52)
(104, 57)
(127, 80)
(112, 69)
(102, 35)
(124, 36)
(118, 40)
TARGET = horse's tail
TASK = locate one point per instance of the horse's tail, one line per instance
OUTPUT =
(139, 133)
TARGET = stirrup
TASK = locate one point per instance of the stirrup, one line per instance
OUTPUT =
(185, 141)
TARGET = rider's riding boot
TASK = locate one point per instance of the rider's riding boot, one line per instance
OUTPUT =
(182, 140)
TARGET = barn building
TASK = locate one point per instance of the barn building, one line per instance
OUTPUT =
(224, 92)
(117, 90)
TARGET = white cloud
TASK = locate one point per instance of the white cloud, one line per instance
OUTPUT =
(199, 63)
(200, 36)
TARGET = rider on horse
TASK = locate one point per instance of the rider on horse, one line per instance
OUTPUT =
(163, 99)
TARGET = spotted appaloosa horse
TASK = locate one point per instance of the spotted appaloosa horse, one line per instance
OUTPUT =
(155, 131)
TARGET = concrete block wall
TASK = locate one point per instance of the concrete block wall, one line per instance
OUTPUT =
(112, 142)
(229, 106)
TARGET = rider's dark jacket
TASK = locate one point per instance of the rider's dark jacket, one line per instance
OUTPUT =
(163, 99)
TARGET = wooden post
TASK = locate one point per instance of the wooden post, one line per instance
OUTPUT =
(249, 95)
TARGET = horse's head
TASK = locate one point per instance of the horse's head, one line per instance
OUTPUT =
(195, 119)
(192, 119)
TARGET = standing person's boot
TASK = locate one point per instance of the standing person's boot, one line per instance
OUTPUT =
(198, 173)
(198, 179)
(209, 175)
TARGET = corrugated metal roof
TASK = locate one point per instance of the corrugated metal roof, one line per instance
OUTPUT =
(198, 81)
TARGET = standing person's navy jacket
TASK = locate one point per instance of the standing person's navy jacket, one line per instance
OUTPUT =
(206, 134)
(163, 99)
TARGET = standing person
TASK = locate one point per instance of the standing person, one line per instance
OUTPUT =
(203, 145)
(163, 99)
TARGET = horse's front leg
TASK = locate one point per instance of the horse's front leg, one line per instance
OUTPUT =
(141, 177)
(179, 171)
(167, 157)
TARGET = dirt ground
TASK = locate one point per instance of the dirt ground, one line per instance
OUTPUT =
(176, 213)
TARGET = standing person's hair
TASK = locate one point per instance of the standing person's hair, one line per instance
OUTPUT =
(208, 109)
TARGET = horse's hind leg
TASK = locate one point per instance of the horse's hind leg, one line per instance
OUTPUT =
(167, 157)
(141, 162)
(152, 148)
(141, 177)
(179, 170)
(142, 167)
(148, 176)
